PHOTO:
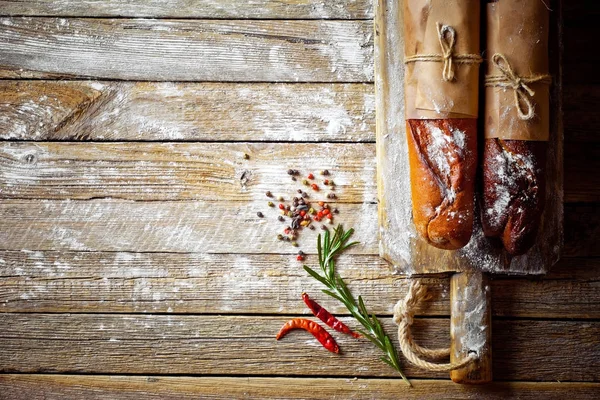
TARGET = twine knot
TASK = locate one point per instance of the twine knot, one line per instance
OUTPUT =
(522, 91)
(404, 312)
(447, 40)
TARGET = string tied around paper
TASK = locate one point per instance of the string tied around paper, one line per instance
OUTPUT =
(447, 40)
(519, 84)
(404, 312)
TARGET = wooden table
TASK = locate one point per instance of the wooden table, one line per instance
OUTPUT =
(133, 264)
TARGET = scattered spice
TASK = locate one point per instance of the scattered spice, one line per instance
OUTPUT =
(331, 196)
(246, 156)
(259, 214)
(326, 317)
(326, 182)
(299, 210)
(314, 328)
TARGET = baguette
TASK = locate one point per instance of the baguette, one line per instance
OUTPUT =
(513, 191)
(442, 155)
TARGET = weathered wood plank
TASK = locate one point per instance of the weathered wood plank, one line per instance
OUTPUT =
(257, 284)
(174, 344)
(86, 110)
(211, 171)
(183, 171)
(261, 9)
(59, 387)
(187, 50)
(582, 177)
(208, 227)
(174, 226)
(581, 120)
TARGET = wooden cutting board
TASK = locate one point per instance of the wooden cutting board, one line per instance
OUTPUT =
(399, 242)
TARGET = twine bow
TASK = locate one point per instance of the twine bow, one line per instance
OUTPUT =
(447, 40)
(404, 312)
(520, 85)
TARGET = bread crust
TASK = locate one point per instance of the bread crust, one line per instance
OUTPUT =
(443, 159)
(513, 191)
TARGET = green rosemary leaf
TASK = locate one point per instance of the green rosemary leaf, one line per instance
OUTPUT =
(315, 275)
(332, 294)
(372, 339)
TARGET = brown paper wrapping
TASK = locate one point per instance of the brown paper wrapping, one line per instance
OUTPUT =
(518, 29)
(427, 95)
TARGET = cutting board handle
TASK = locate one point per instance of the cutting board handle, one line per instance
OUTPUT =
(471, 326)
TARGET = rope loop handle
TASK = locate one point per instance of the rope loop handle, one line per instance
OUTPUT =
(404, 312)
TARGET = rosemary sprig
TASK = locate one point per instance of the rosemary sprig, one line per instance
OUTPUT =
(328, 248)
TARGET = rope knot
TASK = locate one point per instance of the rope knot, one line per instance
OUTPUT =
(509, 79)
(447, 39)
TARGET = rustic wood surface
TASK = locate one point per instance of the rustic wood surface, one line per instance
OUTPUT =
(126, 252)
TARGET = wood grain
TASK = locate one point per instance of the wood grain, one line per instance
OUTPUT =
(471, 327)
(118, 387)
(260, 9)
(206, 226)
(76, 282)
(88, 110)
(92, 110)
(187, 50)
(211, 171)
(183, 171)
(174, 344)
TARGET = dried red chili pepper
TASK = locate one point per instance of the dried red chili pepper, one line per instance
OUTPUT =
(317, 331)
(326, 317)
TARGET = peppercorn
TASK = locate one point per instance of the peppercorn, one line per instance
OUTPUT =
(304, 182)
(280, 237)
(314, 186)
(336, 211)
(294, 178)
(299, 257)
(246, 156)
(323, 227)
(270, 204)
(280, 198)
(280, 218)
(281, 206)
(326, 211)
(326, 182)
(325, 172)
(331, 196)
(301, 253)
(288, 207)
(311, 227)
(311, 176)
(269, 194)
(294, 244)
(259, 214)
(290, 172)
(299, 191)
(289, 214)
(311, 211)
(305, 195)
